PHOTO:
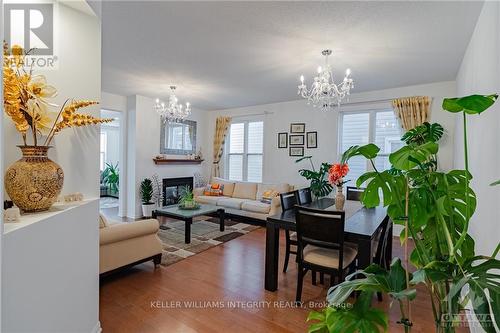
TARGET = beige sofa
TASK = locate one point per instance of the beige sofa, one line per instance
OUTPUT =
(128, 244)
(243, 199)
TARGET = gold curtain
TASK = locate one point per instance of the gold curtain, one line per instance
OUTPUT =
(221, 128)
(412, 111)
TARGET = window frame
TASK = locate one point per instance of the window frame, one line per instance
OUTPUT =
(245, 154)
(372, 110)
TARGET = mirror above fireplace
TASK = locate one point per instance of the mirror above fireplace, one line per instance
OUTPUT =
(178, 137)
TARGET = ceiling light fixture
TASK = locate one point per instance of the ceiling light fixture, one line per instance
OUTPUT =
(173, 111)
(324, 92)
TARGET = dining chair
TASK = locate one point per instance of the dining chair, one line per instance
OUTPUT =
(354, 193)
(288, 201)
(320, 237)
(380, 247)
(304, 196)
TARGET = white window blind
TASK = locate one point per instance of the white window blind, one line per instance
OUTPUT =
(244, 150)
(378, 126)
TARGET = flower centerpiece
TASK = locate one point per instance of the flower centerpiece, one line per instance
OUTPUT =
(336, 175)
(34, 182)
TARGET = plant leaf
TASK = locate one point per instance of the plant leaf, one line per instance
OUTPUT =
(473, 104)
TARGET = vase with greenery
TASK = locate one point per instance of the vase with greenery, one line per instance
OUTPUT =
(146, 190)
(186, 197)
(434, 208)
(111, 177)
(34, 182)
(320, 186)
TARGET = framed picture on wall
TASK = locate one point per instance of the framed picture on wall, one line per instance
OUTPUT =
(297, 128)
(296, 151)
(296, 140)
(312, 139)
(283, 140)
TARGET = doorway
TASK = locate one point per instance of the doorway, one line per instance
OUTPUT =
(109, 163)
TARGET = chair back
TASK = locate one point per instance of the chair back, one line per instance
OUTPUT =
(304, 196)
(323, 228)
(383, 237)
(354, 193)
(288, 200)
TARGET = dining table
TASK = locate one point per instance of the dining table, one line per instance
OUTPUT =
(361, 227)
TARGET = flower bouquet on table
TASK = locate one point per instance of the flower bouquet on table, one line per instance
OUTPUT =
(34, 182)
(336, 175)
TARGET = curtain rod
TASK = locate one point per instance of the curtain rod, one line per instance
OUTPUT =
(253, 114)
(368, 102)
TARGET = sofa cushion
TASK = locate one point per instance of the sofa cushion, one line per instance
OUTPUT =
(244, 190)
(280, 188)
(122, 231)
(231, 202)
(207, 199)
(256, 207)
(228, 186)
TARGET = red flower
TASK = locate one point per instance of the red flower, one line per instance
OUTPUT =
(337, 172)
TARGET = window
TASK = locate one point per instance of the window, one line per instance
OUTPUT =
(244, 150)
(102, 151)
(373, 126)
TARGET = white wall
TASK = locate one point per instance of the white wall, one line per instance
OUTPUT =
(78, 76)
(480, 74)
(279, 167)
(112, 143)
(143, 145)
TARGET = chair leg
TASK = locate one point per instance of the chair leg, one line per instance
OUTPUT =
(313, 277)
(322, 278)
(287, 250)
(379, 296)
(300, 280)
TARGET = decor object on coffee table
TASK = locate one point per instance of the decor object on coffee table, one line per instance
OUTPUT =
(34, 182)
(186, 198)
(146, 197)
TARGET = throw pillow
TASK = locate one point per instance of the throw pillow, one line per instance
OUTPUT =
(103, 223)
(214, 190)
(267, 196)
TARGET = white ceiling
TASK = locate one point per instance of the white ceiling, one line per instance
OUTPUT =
(232, 54)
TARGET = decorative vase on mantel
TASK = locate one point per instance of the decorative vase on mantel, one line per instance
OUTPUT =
(34, 182)
(339, 198)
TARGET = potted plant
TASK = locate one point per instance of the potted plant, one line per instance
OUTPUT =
(434, 208)
(186, 197)
(146, 197)
(320, 186)
(111, 177)
(34, 182)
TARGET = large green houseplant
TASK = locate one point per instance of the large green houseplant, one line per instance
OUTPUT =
(320, 186)
(434, 209)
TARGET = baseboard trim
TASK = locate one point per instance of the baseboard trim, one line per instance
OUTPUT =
(97, 328)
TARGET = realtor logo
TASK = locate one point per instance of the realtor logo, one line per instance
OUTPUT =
(30, 26)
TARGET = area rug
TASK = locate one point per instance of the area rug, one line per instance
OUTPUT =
(205, 234)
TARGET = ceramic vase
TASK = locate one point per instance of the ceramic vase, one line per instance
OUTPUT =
(339, 198)
(34, 182)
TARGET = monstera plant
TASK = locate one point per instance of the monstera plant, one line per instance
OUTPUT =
(320, 186)
(435, 209)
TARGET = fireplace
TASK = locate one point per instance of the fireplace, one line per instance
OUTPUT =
(171, 189)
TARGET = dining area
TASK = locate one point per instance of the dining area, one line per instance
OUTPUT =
(321, 239)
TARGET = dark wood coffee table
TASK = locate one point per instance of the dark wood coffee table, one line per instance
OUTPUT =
(187, 216)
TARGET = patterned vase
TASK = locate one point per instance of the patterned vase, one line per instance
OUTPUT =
(34, 182)
(339, 198)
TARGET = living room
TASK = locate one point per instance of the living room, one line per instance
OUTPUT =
(250, 166)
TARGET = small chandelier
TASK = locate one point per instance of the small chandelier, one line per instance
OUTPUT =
(324, 92)
(173, 111)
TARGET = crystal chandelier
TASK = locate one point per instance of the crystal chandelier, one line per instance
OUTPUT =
(172, 111)
(324, 92)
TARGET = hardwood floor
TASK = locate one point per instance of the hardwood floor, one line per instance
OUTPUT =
(139, 300)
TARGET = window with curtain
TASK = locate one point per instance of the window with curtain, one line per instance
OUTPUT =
(378, 126)
(244, 151)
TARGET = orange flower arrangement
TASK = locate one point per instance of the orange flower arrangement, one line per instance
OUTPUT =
(337, 172)
(26, 101)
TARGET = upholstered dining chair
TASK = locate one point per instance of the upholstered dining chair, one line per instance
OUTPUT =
(288, 201)
(321, 248)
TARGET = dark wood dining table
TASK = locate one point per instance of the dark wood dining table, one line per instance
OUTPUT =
(361, 228)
